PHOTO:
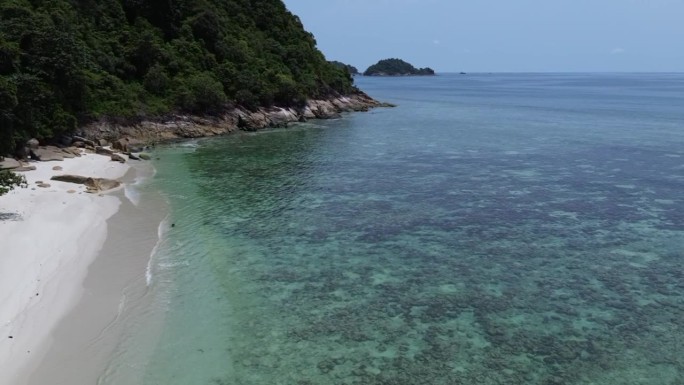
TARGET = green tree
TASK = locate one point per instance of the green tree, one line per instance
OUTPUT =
(202, 93)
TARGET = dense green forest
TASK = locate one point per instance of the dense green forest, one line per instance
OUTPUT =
(396, 67)
(66, 62)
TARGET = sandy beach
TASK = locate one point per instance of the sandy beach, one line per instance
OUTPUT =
(68, 261)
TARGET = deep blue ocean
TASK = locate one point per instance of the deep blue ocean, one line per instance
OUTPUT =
(490, 229)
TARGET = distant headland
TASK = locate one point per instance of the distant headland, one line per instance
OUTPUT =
(350, 68)
(397, 67)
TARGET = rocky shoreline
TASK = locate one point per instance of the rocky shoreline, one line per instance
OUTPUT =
(109, 138)
(174, 127)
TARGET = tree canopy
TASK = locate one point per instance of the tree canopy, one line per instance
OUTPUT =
(396, 67)
(66, 62)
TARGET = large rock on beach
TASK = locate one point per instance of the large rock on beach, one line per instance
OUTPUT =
(101, 184)
(118, 158)
(33, 143)
(70, 178)
(86, 142)
(103, 151)
(72, 151)
(47, 154)
(128, 145)
(93, 184)
(25, 167)
(9, 163)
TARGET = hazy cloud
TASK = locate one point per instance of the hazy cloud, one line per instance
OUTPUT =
(617, 51)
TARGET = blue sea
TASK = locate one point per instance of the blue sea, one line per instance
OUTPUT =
(490, 229)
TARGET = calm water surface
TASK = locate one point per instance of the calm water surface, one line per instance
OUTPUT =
(491, 229)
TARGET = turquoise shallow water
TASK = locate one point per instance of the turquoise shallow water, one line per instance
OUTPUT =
(492, 229)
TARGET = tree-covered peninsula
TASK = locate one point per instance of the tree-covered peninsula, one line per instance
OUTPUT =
(396, 67)
(352, 70)
(64, 63)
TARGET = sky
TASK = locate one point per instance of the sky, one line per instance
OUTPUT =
(501, 35)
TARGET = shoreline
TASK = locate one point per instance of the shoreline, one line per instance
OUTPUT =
(169, 128)
(61, 319)
(68, 270)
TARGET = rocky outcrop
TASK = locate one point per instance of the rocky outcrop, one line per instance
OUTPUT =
(133, 137)
(107, 138)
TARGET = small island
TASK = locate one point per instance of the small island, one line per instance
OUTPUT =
(396, 67)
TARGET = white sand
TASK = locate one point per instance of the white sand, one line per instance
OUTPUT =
(45, 253)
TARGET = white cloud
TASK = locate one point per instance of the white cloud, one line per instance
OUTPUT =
(436, 42)
(617, 51)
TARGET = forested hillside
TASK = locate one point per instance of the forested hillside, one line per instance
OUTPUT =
(66, 62)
